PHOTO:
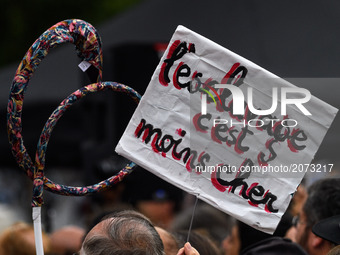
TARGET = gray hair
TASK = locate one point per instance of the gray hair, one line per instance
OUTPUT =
(125, 233)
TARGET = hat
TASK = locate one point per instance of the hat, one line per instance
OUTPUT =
(328, 229)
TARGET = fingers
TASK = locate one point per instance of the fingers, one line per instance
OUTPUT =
(188, 250)
(181, 251)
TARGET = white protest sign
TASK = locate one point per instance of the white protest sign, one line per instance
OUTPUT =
(247, 165)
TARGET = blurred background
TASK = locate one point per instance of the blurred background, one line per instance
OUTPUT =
(296, 40)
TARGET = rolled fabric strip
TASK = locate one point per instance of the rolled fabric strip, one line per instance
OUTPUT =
(40, 180)
(88, 48)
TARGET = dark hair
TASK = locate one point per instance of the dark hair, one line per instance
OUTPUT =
(202, 243)
(217, 224)
(125, 233)
(323, 200)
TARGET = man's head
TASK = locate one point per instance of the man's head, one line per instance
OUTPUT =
(323, 201)
(169, 241)
(123, 233)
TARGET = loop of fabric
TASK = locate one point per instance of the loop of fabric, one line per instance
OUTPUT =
(88, 48)
(40, 180)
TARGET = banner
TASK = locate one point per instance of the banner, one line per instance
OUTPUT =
(219, 126)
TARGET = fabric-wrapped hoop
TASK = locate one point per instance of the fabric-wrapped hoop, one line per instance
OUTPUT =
(40, 180)
(88, 47)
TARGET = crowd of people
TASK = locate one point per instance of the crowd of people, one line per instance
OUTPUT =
(156, 221)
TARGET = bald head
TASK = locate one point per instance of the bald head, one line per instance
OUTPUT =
(123, 233)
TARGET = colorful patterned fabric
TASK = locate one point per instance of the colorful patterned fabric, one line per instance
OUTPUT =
(45, 136)
(88, 47)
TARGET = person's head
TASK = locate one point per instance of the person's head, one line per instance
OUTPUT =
(208, 220)
(18, 239)
(123, 233)
(334, 251)
(170, 243)
(231, 245)
(323, 201)
(67, 240)
(152, 196)
(202, 243)
(328, 229)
